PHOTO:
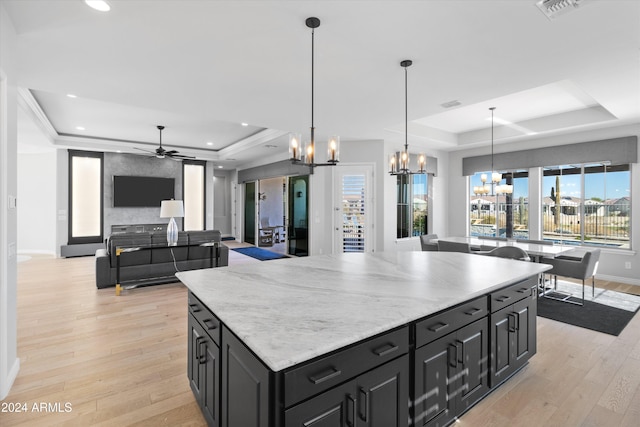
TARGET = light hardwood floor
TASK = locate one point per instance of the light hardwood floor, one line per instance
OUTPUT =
(121, 361)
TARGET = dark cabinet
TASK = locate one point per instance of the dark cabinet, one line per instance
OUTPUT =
(513, 330)
(451, 374)
(204, 371)
(245, 385)
(379, 397)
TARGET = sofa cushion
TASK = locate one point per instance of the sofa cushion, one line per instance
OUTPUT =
(162, 253)
(197, 238)
(130, 241)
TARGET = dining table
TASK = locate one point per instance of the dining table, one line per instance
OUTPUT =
(534, 250)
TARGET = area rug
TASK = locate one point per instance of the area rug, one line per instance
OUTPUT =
(261, 254)
(608, 311)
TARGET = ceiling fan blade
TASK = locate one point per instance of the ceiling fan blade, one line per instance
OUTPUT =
(146, 151)
(181, 156)
(171, 152)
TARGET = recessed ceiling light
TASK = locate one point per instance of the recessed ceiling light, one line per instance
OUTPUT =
(271, 146)
(219, 166)
(79, 128)
(244, 124)
(70, 95)
(209, 143)
(118, 151)
(100, 5)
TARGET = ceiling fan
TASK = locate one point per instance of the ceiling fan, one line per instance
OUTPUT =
(161, 153)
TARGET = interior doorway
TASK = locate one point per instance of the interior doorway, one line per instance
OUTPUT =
(353, 209)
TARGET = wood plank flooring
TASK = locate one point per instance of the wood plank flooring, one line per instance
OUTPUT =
(121, 361)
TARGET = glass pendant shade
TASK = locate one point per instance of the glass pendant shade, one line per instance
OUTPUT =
(333, 149)
(295, 147)
(393, 164)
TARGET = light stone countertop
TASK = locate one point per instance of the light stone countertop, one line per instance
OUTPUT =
(289, 311)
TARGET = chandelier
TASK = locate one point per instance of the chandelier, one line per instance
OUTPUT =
(496, 177)
(401, 166)
(295, 145)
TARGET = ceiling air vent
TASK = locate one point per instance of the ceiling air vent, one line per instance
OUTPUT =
(450, 104)
(554, 8)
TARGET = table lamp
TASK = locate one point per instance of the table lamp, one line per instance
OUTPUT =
(172, 209)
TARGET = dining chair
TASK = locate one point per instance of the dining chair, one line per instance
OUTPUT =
(580, 268)
(445, 246)
(427, 243)
(511, 252)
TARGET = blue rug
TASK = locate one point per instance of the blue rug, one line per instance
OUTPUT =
(261, 254)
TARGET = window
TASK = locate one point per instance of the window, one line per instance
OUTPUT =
(85, 197)
(412, 205)
(502, 215)
(587, 204)
(194, 194)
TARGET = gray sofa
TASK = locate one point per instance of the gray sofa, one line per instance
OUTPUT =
(156, 265)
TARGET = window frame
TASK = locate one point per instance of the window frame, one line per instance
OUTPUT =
(410, 205)
(203, 164)
(71, 240)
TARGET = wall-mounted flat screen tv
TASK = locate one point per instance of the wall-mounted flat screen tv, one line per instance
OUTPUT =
(141, 191)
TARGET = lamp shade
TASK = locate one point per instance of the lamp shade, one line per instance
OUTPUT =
(171, 209)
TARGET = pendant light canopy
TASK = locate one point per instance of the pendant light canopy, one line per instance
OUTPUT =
(399, 164)
(295, 143)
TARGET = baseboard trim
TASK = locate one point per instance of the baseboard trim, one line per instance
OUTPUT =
(6, 383)
(625, 280)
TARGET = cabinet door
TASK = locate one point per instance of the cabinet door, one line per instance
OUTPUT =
(502, 325)
(383, 395)
(473, 342)
(196, 342)
(525, 334)
(435, 381)
(333, 408)
(245, 385)
(210, 403)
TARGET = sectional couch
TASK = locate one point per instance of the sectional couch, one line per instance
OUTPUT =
(160, 263)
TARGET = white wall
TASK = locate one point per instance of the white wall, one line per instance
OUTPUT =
(37, 207)
(612, 261)
(9, 362)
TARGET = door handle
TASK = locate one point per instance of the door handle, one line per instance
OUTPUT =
(384, 350)
(460, 351)
(198, 342)
(452, 351)
(324, 375)
(512, 322)
(351, 411)
(363, 414)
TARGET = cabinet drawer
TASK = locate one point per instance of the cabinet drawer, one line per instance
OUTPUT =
(444, 323)
(209, 322)
(507, 296)
(315, 377)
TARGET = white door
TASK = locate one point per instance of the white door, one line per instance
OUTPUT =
(353, 219)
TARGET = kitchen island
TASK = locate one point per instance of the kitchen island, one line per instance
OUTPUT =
(409, 338)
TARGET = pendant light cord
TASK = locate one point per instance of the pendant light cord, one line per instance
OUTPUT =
(312, 76)
(406, 114)
(492, 108)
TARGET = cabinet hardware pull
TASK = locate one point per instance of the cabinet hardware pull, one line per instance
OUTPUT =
(206, 323)
(363, 413)
(473, 312)
(523, 290)
(351, 411)
(460, 351)
(203, 354)
(438, 328)
(452, 353)
(512, 322)
(503, 298)
(198, 340)
(324, 376)
(194, 307)
(388, 348)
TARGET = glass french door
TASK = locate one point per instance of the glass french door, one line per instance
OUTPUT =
(250, 212)
(353, 209)
(298, 218)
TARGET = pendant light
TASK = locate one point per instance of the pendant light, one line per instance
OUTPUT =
(496, 177)
(295, 146)
(400, 165)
